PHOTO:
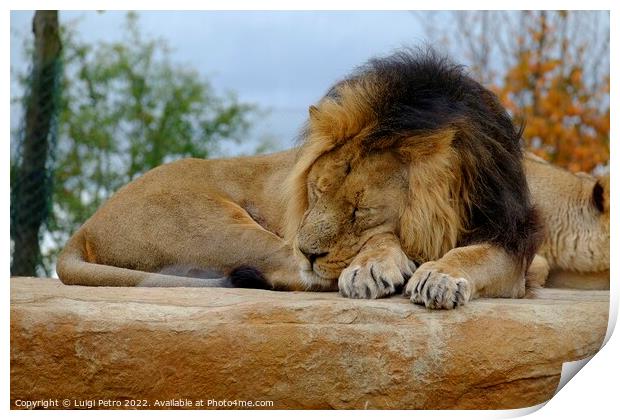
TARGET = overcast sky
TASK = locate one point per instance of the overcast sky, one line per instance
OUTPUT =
(281, 61)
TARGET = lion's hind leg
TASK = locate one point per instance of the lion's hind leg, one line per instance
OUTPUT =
(243, 276)
(227, 241)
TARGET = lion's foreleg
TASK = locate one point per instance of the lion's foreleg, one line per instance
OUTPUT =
(464, 273)
(380, 269)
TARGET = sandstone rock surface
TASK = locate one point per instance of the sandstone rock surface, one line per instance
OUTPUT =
(299, 350)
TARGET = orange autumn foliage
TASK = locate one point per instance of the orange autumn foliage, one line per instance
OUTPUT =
(566, 118)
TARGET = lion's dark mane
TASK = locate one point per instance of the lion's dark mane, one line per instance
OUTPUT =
(422, 92)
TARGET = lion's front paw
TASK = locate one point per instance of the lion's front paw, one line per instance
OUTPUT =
(371, 278)
(436, 290)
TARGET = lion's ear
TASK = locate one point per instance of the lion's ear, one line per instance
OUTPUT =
(600, 194)
(313, 111)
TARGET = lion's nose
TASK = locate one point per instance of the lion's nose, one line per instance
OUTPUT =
(311, 257)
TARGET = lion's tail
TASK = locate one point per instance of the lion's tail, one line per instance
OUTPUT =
(73, 269)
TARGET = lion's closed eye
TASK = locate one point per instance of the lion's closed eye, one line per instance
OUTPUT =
(367, 217)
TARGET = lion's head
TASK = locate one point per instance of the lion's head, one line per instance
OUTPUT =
(595, 230)
(408, 145)
(576, 219)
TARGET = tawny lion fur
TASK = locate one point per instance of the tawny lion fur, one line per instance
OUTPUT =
(405, 164)
(575, 212)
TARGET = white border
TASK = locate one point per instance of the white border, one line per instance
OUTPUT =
(592, 393)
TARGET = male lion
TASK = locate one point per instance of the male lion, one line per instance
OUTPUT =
(405, 161)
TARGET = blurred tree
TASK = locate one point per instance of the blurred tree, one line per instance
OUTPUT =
(126, 109)
(31, 173)
(567, 118)
(549, 68)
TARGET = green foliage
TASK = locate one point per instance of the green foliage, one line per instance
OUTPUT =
(125, 109)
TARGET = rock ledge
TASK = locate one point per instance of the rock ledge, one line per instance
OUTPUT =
(299, 350)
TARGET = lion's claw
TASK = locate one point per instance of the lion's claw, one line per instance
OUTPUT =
(374, 278)
(436, 290)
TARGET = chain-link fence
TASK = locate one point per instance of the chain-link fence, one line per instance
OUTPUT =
(32, 157)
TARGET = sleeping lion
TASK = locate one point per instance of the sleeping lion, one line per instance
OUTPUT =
(574, 209)
(405, 163)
